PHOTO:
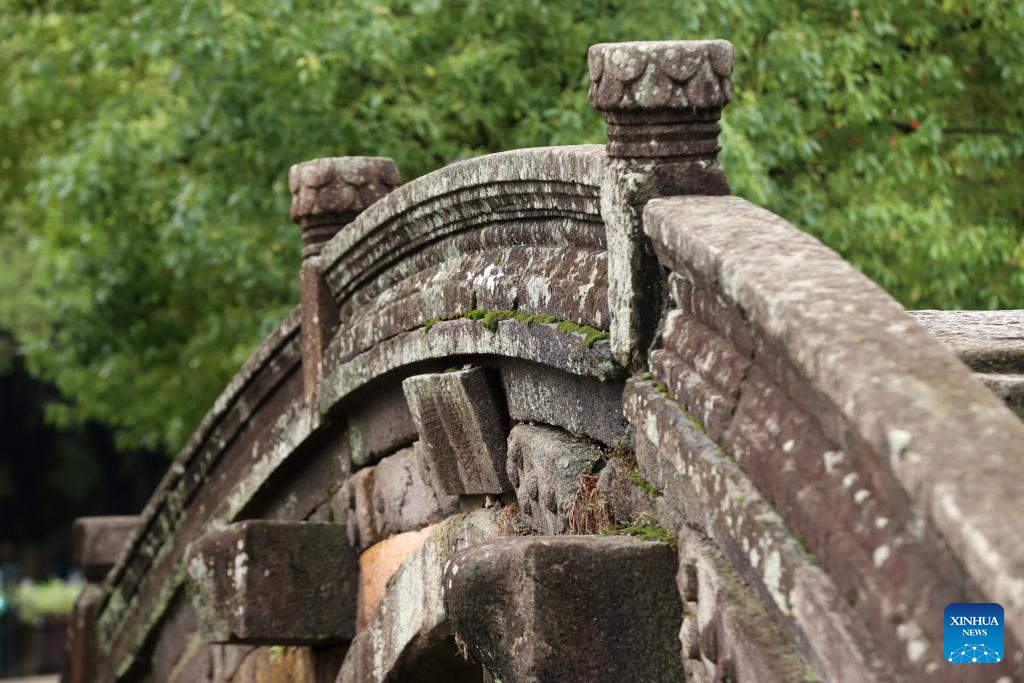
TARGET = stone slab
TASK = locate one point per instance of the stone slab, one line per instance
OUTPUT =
(274, 583)
(462, 424)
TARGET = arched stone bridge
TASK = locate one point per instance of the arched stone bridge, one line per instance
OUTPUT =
(577, 414)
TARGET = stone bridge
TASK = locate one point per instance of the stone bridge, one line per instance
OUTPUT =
(577, 414)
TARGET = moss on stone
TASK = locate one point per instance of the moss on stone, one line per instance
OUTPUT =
(592, 335)
(647, 487)
(647, 531)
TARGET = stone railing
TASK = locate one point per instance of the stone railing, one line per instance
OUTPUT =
(576, 414)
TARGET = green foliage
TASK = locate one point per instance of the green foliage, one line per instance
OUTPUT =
(144, 242)
(53, 597)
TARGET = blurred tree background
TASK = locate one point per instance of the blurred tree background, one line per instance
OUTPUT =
(145, 247)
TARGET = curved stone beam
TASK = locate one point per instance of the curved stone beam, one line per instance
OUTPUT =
(192, 494)
(543, 343)
(830, 397)
(553, 181)
(515, 231)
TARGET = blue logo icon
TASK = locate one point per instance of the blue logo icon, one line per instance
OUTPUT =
(974, 633)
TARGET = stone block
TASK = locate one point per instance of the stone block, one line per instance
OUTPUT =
(96, 543)
(463, 425)
(545, 465)
(275, 583)
(568, 608)
(576, 403)
(398, 494)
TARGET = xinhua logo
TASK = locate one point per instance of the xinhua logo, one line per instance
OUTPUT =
(974, 633)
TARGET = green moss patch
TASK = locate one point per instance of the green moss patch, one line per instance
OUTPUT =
(643, 530)
(490, 320)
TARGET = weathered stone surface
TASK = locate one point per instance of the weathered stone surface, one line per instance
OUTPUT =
(1010, 388)
(661, 99)
(462, 424)
(473, 194)
(96, 543)
(568, 283)
(408, 630)
(576, 403)
(662, 102)
(227, 659)
(376, 565)
(195, 665)
(545, 465)
(305, 481)
(177, 642)
(990, 342)
(304, 573)
(620, 491)
(328, 193)
(398, 494)
(277, 665)
(659, 75)
(526, 613)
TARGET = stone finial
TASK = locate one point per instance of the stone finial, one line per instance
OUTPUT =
(328, 193)
(661, 99)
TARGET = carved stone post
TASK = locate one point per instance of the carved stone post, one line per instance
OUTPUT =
(662, 102)
(96, 543)
(327, 195)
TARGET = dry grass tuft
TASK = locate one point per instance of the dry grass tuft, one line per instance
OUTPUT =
(589, 514)
(461, 646)
(511, 522)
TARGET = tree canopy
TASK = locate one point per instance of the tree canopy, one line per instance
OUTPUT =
(145, 247)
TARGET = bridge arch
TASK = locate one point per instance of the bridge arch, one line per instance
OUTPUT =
(493, 362)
